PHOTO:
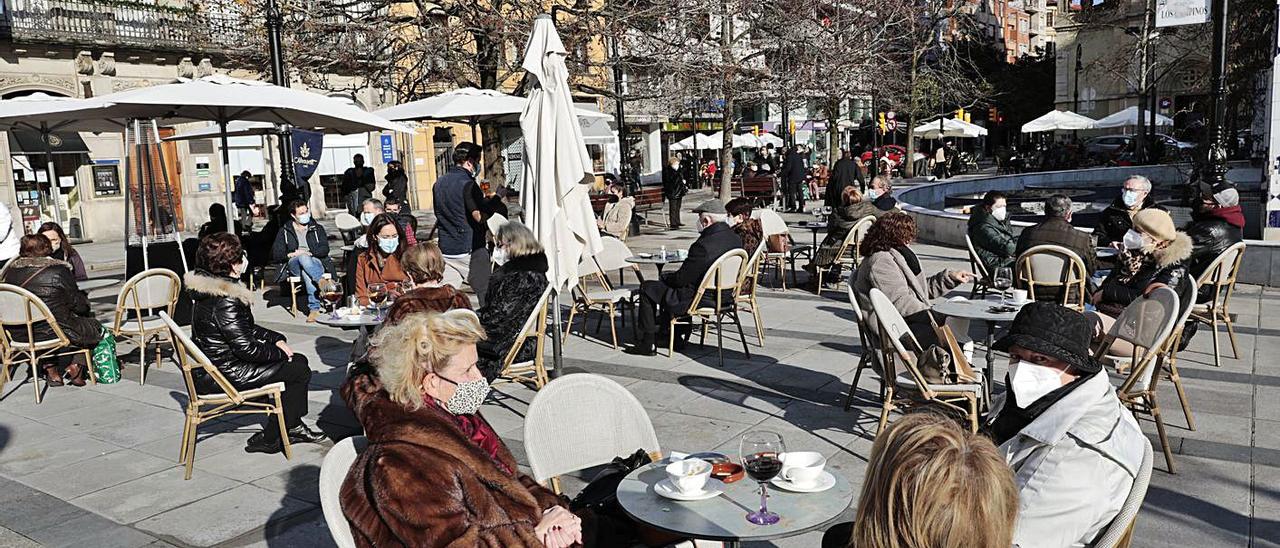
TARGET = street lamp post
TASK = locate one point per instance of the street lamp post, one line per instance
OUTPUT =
(1075, 134)
(275, 21)
(1215, 166)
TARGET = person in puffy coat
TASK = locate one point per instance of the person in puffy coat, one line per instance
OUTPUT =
(52, 281)
(991, 232)
(248, 355)
(1217, 223)
(514, 290)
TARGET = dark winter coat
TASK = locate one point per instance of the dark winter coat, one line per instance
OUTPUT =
(793, 170)
(843, 220)
(287, 241)
(77, 264)
(1057, 231)
(222, 326)
(1116, 220)
(421, 482)
(1168, 268)
(673, 185)
(52, 281)
(678, 288)
(843, 174)
(1210, 236)
(361, 180)
(514, 290)
(397, 187)
(992, 239)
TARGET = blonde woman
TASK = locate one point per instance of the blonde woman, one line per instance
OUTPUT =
(932, 484)
(435, 472)
(514, 290)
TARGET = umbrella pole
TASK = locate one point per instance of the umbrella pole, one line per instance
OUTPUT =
(54, 191)
(557, 352)
(226, 175)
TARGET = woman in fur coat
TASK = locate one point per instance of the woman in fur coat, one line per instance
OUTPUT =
(514, 291)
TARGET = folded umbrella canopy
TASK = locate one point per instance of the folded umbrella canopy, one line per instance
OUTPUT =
(1059, 120)
(557, 168)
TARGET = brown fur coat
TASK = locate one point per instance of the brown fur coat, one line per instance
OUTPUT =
(423, 483)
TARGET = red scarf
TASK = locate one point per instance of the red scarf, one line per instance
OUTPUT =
(1233, 215)
(479, 432)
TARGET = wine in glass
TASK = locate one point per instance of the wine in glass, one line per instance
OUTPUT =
(761, 452)
(377, 296)
(393, 290)
(1003, 280)
(333, 296)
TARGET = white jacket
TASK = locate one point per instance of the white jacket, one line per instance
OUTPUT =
(10, 233)
(1074, 466)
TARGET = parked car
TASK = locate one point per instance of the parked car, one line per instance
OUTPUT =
(1109, 147)
(894, 152)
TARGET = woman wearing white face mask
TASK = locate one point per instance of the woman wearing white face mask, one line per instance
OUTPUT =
(991, 232)
(435, 472)
(1154, 255)
(514, 289)
(381, 262)
(1073, 448)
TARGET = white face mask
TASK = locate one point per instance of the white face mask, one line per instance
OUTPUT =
(1031, 382)
(242, 267)
(1129, 197)
(499, 256)
(1000, 213)
(366, 218)
(872, 194)
(1133, 239)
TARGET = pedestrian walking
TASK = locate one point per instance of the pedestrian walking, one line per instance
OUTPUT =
(242, 197)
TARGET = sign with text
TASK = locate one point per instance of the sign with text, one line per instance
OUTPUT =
(1171, 13)
(388, 151)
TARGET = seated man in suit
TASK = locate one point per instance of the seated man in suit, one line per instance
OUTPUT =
(1056, 230)
(675, 291)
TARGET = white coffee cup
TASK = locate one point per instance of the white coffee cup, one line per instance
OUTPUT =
(689, 475)
(1020, 296)
(802, 468)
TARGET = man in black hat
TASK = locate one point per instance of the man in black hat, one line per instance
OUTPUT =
(675, 291)
(1073, 447)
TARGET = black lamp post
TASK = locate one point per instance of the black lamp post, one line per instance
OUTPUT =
(275, 21)
(1215, 166)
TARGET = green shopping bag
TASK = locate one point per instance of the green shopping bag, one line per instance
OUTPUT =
(106, 365)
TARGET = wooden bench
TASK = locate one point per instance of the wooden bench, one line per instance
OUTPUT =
(759, 189)
(650, 199)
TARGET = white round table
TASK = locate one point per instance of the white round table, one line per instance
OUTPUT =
(658, 259)
(981, 310)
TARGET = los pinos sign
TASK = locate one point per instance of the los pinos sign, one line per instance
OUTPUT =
(1172, 13)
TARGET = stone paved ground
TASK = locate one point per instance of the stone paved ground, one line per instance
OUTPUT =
(98, 466)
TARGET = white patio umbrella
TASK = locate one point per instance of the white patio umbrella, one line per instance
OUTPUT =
(1129, 117)
(767, 139)
(557, 168)
(1059, 120)
(973, 129)
(748, 140)
(698, 141)
(237, 128)
(950, 127)
(470, 105)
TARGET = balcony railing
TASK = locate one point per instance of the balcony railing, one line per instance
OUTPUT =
(120, 23)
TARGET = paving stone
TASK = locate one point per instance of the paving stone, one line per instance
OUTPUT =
(247, 467)
(60, 450)
(91, 530)
(309, 530)
(93, 475)
(224, 516)
(152, 494)
(302, 482)
(125, 422)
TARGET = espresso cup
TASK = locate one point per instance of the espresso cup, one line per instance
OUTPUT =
(688, 476)
(803, 468)
(1019, 296)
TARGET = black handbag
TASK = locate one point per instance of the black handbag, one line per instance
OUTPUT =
(601, 493)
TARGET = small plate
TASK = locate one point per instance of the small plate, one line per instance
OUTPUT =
(825, 481)
(645, 255)
(711, 489)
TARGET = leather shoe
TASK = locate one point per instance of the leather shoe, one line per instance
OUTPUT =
(258, 443)
(302, 434)
(641, 350)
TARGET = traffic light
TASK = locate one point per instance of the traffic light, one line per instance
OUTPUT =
(968, 116)
(755, 130)
(991, 114)
(881, 124)
(960, 114)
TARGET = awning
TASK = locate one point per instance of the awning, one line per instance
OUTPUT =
(30, 142)
(596, 131)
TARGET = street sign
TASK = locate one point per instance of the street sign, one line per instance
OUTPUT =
(1171, 13)
(890, 114)
(388, 151)
(1165, 103)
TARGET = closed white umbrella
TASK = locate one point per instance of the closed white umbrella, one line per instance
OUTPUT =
(557, 169)
(1059, 120)
(1129, 117)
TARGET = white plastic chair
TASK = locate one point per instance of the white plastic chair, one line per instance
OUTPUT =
(905, 349)
(533, 372)
(772, 224)
(604, 298)
(147, 291)
(347, 224)
(1120, 532)
(582, 420)
(614, 257)
(333, 471)
(1053, 267)
(1221, 276)
(870, 347)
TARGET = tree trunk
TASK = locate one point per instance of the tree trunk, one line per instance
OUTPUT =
(913, 107)
(491, 153)
(726, 112)
(833, 131)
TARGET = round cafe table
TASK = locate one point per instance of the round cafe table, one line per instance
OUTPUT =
(656, 259)
(815, 226)
(362, 322)
(980, 310)
(724, 518)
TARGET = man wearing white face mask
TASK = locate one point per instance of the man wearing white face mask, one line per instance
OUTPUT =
(1118, 217)
(1073, 448)
(991, 232)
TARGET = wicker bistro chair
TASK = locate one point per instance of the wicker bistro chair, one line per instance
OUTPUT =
(333, 471)
(143, 295)
(1053, 267)
(982, 278)
(532, 372)
(723, 277)
(1170, 360)
(772, 224)
(1146, 324)
(582, 420)
(1221, 276)
(748, 281)
(606, 298)
(22, 310)
(847, 256)
(909, 388)
(202, 408)
(1119, 534)
(869, 354)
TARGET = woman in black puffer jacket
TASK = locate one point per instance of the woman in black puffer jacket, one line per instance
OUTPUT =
(514, 290)
(52, 281)
(248, 355)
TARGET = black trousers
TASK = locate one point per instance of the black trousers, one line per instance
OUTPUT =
(673, 212)
(652, 312)
(295, 374)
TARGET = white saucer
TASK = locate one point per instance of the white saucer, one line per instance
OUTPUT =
(825, 481)
(711, 489)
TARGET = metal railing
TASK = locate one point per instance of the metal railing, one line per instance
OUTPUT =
(197, 27)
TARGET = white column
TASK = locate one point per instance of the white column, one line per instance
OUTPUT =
(1271, 224)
